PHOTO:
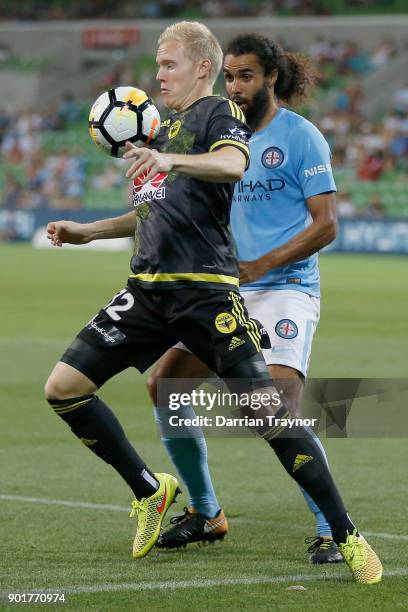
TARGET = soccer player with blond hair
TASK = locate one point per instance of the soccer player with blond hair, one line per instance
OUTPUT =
(183, 287)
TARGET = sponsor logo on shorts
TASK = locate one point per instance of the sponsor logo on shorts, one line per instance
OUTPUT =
(107, 337)
(272, 157)
(235, 343)
(109, 333)
(225, 323)
(285, 328)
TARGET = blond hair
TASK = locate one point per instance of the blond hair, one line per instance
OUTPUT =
(198, 41)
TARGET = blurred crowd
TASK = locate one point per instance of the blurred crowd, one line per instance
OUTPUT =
(38, 177)
(50, 181)
(127, 9)
(35, 177)
(372, 148)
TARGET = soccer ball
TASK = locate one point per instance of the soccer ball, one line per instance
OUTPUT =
(120, 115)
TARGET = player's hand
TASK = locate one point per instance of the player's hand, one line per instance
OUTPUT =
(147, 160)
(60, 232)
(250, 271)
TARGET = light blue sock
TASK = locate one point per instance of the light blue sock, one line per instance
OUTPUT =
(322, 526)
(189, 455)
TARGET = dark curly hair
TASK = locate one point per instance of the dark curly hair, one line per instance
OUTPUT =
(297, 75)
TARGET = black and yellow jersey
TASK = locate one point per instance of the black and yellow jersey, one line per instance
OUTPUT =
(182, 223)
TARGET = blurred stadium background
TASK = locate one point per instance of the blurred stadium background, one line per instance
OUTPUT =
(55, 58)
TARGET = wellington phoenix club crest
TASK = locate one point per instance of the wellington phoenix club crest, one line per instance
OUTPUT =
(152, 190)
(225, 323)
(272, 157)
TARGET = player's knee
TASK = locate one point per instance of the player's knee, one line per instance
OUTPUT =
(53, 389)
(65, 382)
(56, 389)
(152, 386)
(250, 369)
(291, 383)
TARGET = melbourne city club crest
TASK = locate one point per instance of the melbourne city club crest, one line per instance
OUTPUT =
(285, 328)
(272, 157)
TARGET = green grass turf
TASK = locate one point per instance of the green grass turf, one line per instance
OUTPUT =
(46, 297)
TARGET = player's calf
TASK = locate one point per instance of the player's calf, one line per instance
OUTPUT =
(70, 394)
(304, 461)
(66, 382)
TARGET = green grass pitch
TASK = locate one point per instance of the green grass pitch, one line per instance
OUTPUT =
(46, 297)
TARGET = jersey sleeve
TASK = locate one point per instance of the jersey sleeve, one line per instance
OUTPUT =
(314, 162)
(227, 128)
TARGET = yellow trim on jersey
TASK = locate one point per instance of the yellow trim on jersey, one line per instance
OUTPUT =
(233, 113)
(236, 112)
(188, 276)
(251, 327)
(228, 142)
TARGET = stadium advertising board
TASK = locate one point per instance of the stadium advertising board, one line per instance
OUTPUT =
(109, 38)
(353, 236)
(371, 236)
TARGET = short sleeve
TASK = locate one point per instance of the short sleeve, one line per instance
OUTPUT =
(314, 161)
(227, 127)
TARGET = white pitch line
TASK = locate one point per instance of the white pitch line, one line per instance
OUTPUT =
(33, 342)
(91, 506)
(209, 583)
(62, 502)
(386, 536)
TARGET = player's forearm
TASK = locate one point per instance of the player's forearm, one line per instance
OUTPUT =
(117, 227)
(224, 166)
(304, 244)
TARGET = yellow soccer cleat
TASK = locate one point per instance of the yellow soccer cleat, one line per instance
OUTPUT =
(150, 512)
(361, 559)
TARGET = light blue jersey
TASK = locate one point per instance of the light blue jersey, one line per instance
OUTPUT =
(290, 162)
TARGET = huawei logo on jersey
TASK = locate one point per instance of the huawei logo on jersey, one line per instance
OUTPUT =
(152, 190)
(154, 182)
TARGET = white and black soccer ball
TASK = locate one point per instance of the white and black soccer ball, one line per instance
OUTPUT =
(120, 115)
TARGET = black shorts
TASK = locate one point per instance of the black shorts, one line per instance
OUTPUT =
(139, 325)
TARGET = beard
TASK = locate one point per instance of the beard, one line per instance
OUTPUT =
(257, 109)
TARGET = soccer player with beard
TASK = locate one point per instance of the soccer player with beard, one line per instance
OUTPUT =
(283, 213)
(183, 287)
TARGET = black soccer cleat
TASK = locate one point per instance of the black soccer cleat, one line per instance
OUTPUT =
(323, 550)
(193, 527)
